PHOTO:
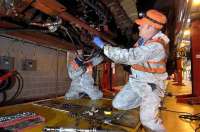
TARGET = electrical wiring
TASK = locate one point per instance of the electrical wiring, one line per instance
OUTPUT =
(20, 87)
(185, 116)
(6, 80)
(20, 83)
(93, 52)
(191, 117)
(66, 32)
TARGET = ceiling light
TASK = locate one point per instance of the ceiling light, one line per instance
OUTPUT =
(196, 2)
(186, 32)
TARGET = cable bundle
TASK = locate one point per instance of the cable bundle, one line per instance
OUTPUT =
(191, 117)
(185, 116)
(8, 80)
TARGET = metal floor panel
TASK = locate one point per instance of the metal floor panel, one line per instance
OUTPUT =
(82, 114)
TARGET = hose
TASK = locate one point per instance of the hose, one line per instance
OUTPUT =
(93, 53)
(6, 80)
(70, 37)
(20, 83)
(58, 22)
(19, 89)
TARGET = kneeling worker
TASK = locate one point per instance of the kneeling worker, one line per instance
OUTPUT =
(148, 67)
(82, 80)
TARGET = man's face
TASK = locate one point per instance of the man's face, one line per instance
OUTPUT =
(146, 31)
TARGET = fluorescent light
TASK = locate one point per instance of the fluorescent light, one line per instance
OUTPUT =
(196, 2)
(186, 32)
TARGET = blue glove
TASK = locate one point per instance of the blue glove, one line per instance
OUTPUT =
(98, 42)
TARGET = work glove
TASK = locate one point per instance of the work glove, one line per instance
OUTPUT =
(98, 42)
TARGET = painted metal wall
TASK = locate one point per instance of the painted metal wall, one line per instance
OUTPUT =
(50, 78)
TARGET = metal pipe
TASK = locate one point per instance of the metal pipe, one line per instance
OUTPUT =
(47, 24)
(70, 37)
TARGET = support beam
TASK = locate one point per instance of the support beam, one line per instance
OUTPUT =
(43, 39)
(38, 37)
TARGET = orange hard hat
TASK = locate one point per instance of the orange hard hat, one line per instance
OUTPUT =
(153, 18)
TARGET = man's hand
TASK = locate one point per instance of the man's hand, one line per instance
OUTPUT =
(98, 42)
